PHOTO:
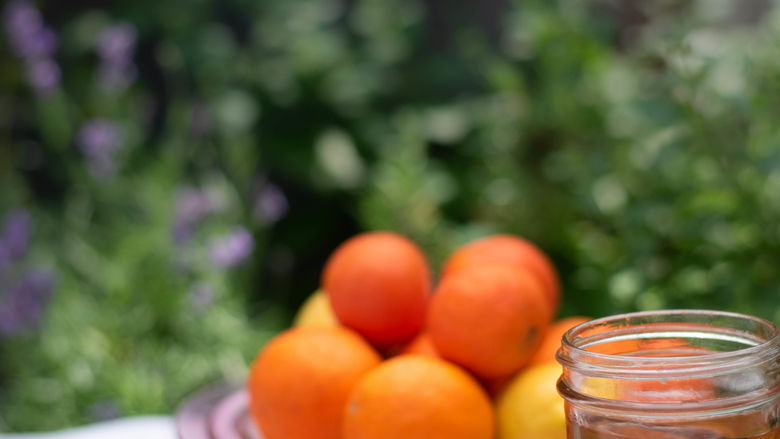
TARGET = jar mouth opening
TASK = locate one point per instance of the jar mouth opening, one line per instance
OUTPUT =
(668, 343)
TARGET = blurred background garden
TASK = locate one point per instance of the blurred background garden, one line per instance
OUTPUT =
(174, 173)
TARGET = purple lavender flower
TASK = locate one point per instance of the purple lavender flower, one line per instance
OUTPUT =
(270, 204)
(192, 206)
(43, 74)
(16, 234)
(182, 231)
(22, 23)
(22, 305)
(115, 47)
(99, 140)
(117, 43)
(232, 249)
(20, 17)
(33, 42)
(39, 44)
(43, 44)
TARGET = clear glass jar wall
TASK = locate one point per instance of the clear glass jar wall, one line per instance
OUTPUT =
(672, 375)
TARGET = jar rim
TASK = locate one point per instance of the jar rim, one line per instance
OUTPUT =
(574, 354)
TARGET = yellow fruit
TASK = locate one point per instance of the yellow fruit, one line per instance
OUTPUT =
(605, 388)
(316, 311)
(530, 407)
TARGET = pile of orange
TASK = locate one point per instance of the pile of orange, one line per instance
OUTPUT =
(381, 352)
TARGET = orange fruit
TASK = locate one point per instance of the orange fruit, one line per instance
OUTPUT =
(489, 319)
(316, 311)
(495, 385)
(422, 345)
(379, 284)
(418, 397)
(299, 383)
(552, 338)
(513, 250)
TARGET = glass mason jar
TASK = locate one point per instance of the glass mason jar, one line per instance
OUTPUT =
(672, 375)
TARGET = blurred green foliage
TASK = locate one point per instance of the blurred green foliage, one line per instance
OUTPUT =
(637, 144)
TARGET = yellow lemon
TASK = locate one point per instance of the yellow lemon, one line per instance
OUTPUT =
(530, 407)
(316, 311)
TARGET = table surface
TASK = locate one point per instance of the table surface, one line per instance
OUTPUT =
(146, 427)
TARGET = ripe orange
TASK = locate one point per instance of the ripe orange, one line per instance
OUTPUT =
(418, 397)
(552, 338)
(299, 383)
(495, 385)
(379, 284)
(489, 319)
(422, 345)
(511, 249)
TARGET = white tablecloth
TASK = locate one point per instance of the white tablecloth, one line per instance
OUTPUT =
(142, 427)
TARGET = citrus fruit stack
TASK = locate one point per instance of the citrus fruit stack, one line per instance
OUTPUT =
(380, 352)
